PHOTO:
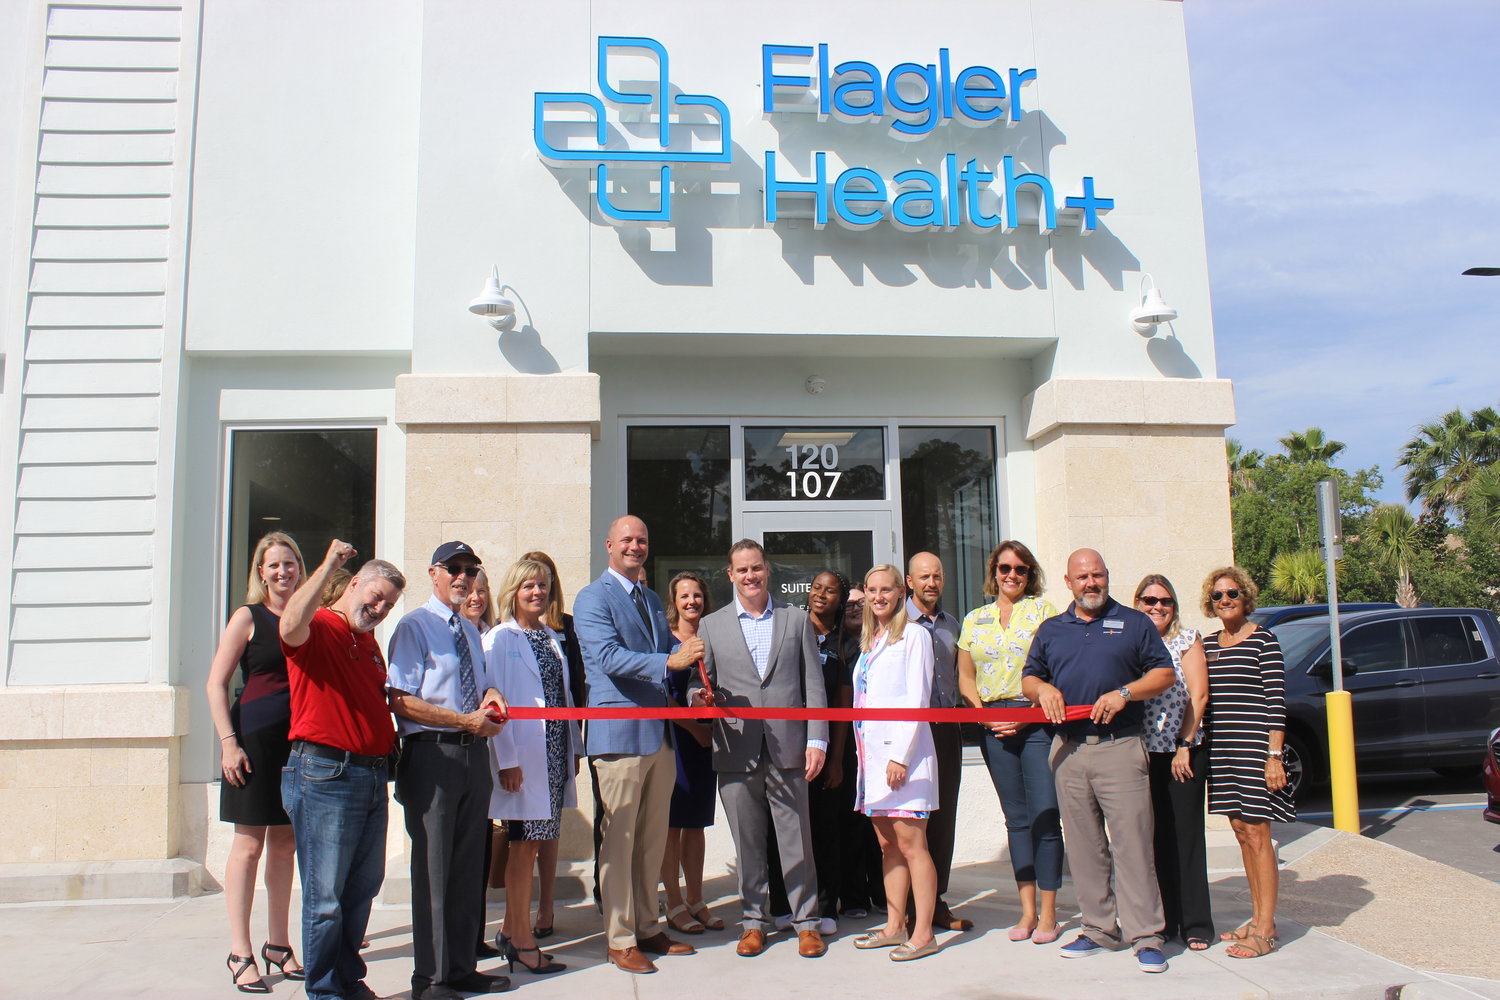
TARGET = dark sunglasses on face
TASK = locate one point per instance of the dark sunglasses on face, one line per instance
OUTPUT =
(470, 570)
(1006, 569)
(1219, 595)
(1165, 602)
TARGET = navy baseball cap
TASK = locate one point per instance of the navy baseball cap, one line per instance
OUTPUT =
(448, 550)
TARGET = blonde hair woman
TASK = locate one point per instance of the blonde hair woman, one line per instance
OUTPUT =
(253, 748)
(897, 786)
(535, 759)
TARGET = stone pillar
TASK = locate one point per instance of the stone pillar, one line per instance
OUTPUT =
(89, 789)
(1136, 469)
(503, 463)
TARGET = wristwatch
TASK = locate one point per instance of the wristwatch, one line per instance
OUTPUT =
(1183, 744)
(1273, 754)
(1125, 692)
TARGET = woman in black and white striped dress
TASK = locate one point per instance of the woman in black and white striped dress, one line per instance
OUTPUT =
(1246, 725)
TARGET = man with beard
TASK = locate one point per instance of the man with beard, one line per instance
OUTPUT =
(1103, 654)
(441, 695)
(333, 785)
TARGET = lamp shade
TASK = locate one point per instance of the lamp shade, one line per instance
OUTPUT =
(491, 302)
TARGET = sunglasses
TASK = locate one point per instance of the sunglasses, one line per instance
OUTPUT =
(1219, 595)
(470, 570)
(1165, 602)
(1006, 569)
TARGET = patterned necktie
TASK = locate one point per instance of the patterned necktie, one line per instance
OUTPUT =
(639, 594)
(466, 684)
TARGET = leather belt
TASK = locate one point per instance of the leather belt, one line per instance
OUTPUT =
(1094, 738)
(334, 753)
(443, 736)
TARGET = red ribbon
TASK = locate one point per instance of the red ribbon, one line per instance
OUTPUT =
(804, 714)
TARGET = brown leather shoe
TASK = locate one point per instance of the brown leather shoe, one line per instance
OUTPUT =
(946, 919)
(631, 960)
(660, 944)
(810, 944)
(752, 942)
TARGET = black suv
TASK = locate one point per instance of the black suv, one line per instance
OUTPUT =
(1425, 684)
(1276, 614)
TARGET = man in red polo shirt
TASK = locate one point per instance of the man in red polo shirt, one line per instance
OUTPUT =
(333, 786)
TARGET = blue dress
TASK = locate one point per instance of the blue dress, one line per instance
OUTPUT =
(693, 796)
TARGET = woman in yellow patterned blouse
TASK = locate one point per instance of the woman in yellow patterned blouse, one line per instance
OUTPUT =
(992, 650)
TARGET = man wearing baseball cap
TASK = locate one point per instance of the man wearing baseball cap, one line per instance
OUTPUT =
(446, 708)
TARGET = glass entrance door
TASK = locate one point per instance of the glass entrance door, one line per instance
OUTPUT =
(802, 544)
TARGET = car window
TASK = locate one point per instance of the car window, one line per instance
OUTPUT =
(1376, 646)
(1446, 640)
(1299, 638)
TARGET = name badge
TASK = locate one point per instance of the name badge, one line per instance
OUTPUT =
(1113, 624)
(984, 620)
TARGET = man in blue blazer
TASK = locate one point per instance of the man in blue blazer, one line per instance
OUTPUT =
(623, 630)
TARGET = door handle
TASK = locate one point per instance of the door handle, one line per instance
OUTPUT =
(1405, 683)
(1488, 676)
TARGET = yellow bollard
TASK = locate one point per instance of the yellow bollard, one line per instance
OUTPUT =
(1341, 772)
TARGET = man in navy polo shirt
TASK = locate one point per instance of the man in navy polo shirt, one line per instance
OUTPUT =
(1103, 654)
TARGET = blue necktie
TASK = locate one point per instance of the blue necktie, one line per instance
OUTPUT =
(466, 685)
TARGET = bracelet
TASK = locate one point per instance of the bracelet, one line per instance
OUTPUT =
(223, 738)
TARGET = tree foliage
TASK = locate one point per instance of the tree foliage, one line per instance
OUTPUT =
(1446, 455)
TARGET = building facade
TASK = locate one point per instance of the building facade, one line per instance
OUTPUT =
(855, 281)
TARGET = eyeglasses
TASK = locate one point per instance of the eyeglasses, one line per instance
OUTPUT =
(1165, 602)
(1006, 569)
(1219, 595)
(470, 570)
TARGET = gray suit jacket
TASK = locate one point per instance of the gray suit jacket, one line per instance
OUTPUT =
(794, 679)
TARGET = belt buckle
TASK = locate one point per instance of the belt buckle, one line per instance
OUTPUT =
(465, 739)
(1093, 739)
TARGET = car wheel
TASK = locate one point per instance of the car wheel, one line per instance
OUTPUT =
(1301, 773)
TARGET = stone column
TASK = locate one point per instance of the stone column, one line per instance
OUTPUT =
(503, 463)
(1136, 469)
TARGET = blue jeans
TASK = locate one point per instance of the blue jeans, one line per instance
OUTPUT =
(1022, 774)
(338, 813)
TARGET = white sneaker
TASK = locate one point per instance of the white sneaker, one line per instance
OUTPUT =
(828, 926)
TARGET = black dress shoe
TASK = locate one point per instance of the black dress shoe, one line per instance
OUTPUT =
(435, 991)
(486, 950)
(480, 982)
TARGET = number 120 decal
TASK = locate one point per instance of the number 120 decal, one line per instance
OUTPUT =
(814, 471)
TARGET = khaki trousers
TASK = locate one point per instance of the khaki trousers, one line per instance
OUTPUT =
(636, 791)
(1099, 783)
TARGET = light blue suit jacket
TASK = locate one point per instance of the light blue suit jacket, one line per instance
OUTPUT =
(625, 664)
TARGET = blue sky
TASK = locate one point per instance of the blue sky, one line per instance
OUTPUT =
(1350, 155)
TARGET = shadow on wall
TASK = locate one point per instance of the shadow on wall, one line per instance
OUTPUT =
(732, 196)
(1170, 358)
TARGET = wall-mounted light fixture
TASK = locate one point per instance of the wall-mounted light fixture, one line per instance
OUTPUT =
(493, 305)
(1153, 310)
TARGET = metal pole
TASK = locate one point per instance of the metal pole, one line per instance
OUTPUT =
(1342, 774)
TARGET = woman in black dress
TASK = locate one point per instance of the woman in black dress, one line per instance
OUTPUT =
(253, 748)
(1246, 725)
(693, 796)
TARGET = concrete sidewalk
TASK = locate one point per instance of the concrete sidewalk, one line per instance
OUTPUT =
(1358, 919)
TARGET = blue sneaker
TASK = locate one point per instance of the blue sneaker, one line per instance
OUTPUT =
(1151, 960)
(1084, 946)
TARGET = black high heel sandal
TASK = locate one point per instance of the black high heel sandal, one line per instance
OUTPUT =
(286, 956)
(238, 966)
(544, 964)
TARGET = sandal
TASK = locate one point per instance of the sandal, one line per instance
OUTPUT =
(238, 966)
(1197, 944)
(705, 916)
(1238, 934)
(1253, 946)
(285, 957)
(680, 919)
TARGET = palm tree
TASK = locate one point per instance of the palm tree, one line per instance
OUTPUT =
(1242, 464)
(1446, 455)
(1311, 445)
(1481, 498)
(1393, 532)
(1298, 575)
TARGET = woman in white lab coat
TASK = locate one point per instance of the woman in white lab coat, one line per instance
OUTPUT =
(897, 785)
(535, 760)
